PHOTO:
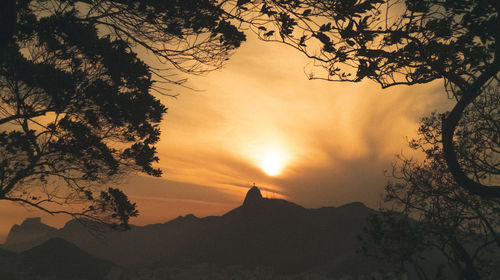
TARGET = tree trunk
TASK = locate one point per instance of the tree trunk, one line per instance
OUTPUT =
(469, 272)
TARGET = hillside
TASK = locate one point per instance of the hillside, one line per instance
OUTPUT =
(261, 232)
(53, 259)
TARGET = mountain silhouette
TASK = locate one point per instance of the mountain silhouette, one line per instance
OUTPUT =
(8, 265)
(31, 231)
(262, 232)
(53, 259)
(253, 196)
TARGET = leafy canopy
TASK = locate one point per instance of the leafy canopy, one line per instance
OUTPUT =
(424, 212)
(76, 101)
(77, 106)
(392, 42)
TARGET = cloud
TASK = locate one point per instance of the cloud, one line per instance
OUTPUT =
(337, 137)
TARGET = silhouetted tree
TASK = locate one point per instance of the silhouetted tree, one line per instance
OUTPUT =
(7, 22)
(425, 210)
(76, 103)
(392, 42)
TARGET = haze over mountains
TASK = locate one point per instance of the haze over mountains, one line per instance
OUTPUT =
(267, 233)
(54, 259)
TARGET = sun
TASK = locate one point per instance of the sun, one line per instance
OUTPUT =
(271, 157)
(272, 164)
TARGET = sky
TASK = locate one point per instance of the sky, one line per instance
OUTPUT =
(260, 120)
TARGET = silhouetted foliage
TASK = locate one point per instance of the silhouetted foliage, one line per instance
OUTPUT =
(76, 102)
(77, 107)
(7, 22)
(392, 42)
(426, 211)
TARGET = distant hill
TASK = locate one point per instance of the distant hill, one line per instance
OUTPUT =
(31, 232)
(8, 265)
(54, 259)
(260, 233)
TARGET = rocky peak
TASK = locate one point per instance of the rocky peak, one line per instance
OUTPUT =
(31, 231)
(253, 196)
(32, 224)
(32, 221)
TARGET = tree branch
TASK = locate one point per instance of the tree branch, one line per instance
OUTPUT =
(449, 126)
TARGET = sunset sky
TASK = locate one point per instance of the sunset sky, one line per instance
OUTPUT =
(260, 120)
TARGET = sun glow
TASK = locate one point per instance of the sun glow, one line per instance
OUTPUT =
(272, 164)
(271, 156)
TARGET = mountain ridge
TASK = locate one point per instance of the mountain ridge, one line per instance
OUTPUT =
(54, 259)
(261, 232)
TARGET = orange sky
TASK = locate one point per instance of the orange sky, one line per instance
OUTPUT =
(329, 142)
